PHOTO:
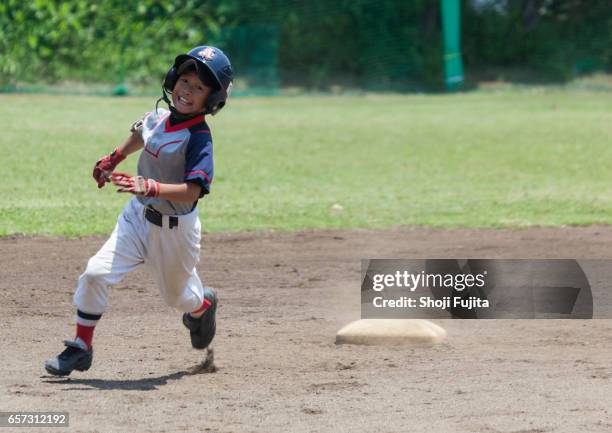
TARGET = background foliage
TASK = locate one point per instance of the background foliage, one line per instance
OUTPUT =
(317, 44)
(478, 159)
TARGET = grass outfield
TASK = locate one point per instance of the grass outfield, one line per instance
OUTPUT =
(480, 160)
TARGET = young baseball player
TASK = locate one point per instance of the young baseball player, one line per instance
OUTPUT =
(159, 227)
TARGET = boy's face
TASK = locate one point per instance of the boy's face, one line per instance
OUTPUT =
(189, 94)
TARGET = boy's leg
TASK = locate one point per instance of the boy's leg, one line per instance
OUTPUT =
(202, 323)
(172, 257)
(121, 253)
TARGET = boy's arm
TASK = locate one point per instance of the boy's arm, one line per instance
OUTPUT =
(187, 192)
(105, 165)
(131, 145)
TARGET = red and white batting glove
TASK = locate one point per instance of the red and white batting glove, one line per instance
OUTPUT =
(136, 185)
(105, 166)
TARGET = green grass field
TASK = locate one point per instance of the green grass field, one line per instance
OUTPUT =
(480, 160)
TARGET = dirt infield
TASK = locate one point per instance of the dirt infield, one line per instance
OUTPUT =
(283, 296)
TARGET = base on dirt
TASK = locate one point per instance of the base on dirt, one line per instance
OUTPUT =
(390, 332)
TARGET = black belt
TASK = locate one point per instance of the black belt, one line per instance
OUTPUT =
(155, 217)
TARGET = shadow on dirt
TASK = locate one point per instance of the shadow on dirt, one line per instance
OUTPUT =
(147, 384)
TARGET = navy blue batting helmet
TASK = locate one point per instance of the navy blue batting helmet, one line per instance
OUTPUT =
(214, 69)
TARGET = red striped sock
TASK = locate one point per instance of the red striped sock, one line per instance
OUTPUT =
(85, 333)
(86, 324)
(198, 313)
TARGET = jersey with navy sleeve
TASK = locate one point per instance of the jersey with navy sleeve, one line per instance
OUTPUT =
(175, 154)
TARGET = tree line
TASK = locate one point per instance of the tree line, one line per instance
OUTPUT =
(315, 43)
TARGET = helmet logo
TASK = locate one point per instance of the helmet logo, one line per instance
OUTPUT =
(207, 53)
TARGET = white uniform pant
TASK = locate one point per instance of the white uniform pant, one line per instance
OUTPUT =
(170, 255)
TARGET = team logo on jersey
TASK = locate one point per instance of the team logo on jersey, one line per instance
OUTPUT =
(207, 53)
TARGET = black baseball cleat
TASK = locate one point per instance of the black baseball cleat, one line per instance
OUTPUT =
(202, 330)
(74, 357)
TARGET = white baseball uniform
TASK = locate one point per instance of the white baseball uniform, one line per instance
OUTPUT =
(172, 154)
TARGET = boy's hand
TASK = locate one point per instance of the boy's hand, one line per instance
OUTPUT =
(105, 166)
(136, 185)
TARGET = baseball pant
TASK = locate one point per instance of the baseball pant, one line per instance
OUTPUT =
(169, 254)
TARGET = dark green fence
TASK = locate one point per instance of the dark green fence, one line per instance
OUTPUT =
(315, 44)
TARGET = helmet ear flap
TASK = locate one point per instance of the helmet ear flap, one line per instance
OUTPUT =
(170, 80)
(215, 102)
(219, 106)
